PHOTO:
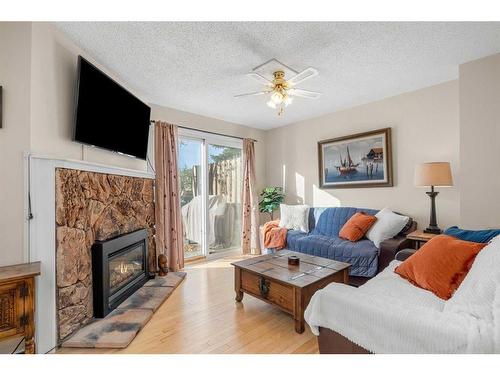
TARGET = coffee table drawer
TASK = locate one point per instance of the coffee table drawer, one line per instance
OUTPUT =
(272, 291)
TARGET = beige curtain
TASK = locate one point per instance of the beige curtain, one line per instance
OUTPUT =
(168, 210)
(250, 243)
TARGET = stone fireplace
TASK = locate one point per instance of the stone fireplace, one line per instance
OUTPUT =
(90, 207)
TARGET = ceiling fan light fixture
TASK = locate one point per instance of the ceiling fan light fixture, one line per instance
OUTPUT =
(277, 97)
(282, 90)
(271, 104)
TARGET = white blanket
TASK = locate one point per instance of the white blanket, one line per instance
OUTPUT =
(390, 315)
(192, 217)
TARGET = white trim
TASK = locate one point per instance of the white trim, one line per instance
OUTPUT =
(150, 157)
(42, 235)
(26, 222)
(94, 167)
(204, 192)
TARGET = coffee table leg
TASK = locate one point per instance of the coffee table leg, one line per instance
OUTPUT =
(299, 325)
(237, 284)
(239, 296)
(299, 312)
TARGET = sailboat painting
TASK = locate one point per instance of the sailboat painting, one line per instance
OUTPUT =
(358, 160)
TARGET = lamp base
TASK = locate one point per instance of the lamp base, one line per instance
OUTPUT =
(433, 230)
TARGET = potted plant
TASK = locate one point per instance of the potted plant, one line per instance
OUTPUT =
(272, 196)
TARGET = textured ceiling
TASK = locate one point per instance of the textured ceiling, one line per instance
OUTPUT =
(198, 67)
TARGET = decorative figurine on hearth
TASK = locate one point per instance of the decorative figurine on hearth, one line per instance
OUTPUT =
(162, 265)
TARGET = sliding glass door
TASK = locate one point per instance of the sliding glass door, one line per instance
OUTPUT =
(191, 195)
(210, 169)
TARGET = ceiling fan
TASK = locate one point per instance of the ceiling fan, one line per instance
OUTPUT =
(283, 90)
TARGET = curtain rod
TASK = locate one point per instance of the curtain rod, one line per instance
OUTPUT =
(206, 131)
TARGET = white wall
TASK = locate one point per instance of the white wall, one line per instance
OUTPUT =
(480, 142)
(15, 44)
(425, 127)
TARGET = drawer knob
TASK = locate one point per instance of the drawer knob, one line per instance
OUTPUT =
(263, 287)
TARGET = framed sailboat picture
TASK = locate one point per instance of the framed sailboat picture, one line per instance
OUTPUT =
(358, 160)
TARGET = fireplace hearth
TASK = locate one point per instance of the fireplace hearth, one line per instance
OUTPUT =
(119, 268)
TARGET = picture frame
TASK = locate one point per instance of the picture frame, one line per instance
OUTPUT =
(359, 160)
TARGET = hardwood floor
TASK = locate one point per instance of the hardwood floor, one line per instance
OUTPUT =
(201, 316)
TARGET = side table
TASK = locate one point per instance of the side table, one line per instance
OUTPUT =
(419, 237)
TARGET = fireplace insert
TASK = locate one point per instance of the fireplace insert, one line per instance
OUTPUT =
(119, 268)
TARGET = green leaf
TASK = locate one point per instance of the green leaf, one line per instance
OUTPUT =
(272, 196)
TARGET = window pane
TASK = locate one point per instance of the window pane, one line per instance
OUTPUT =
(224, 191)
(190, 179)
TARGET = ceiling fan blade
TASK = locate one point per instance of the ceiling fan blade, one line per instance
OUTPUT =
(259, 78)
(252, 94)
(304, 93)
(302, 76)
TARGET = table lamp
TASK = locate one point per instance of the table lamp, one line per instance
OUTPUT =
(433, 174)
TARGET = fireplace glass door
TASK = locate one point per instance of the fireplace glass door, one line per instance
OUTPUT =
(125, 266)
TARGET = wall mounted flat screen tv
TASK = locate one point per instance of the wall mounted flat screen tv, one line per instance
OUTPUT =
(107, 115)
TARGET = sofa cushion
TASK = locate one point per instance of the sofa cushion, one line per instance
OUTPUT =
(329, 221)
(440, 265)
(389, 315)
(362, 255)
(388, 285)
(292, 237)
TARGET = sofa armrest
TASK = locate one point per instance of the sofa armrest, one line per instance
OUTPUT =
(404, 254)
(389, 248)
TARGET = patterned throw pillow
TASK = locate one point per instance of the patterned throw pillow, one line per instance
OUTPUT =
(294, 217)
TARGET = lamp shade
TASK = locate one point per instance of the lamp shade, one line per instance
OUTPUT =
(433, 174)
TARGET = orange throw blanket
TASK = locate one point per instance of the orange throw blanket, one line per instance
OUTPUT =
(274, 236)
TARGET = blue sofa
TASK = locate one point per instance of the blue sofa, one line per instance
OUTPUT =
(323, 240)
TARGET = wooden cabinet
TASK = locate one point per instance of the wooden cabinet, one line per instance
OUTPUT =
(17, 307)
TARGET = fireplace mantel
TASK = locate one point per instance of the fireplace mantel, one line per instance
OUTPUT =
(41, 232)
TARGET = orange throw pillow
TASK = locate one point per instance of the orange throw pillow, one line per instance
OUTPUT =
(440, 265)
(357, 226)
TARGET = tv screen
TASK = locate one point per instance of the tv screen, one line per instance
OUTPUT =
(108, 116)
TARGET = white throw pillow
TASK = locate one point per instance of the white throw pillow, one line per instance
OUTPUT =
(476, 294)
(294, 217)
(388, 224)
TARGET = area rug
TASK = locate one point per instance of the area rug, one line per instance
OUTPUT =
(118, 329)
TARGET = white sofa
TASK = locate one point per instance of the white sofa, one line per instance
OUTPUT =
(390, 315)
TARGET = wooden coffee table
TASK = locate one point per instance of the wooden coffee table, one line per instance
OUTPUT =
(271, 279)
